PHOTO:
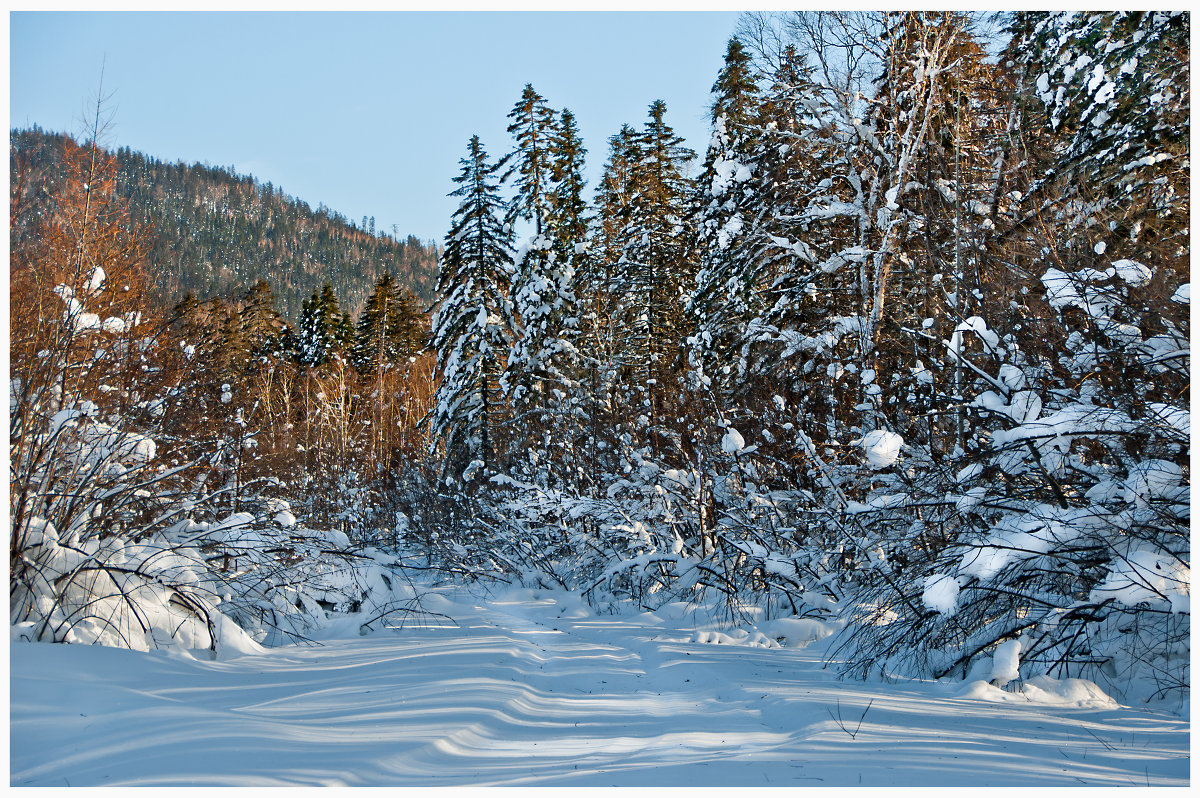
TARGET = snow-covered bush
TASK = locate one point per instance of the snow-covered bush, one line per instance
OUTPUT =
(1073, 531)
(114, 547)
(134, 520)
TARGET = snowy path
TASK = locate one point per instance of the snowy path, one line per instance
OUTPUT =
(533, 690)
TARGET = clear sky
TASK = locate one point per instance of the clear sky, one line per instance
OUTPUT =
(366, 112)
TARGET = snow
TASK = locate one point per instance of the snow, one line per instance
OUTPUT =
(978, 326)
(881, 447)
(528, 688)
(96, 441)
(144, 449)
(732, 442)
(1151, 577)
(941, 593)
(231, 523)
(1006, 662)
(1153, 479)
(1177, 418)
(97, 281)
(1132, 272)
(1025, 406)
(969, 472)
(1012, 376)
(86, 321)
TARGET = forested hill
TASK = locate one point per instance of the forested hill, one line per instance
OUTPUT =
(215, 233)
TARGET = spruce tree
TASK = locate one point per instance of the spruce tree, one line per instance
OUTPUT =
(412, 324)
(735, 92)
(935, 103)
(598, 295)
(345, 332)
(614, 195)
(728, 205)
(310, 342)
(389, 329)
(596, 282)
(189, 319)
(473, 320)
(539, 376)
(567, 223)
(530, 163)
(547, 165)
(1113, 90)
(655, 267)
(373, 346)
(232, 348)
(323, 327)
(261, 323)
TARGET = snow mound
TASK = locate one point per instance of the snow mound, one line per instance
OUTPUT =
(735, 637)
(97, 280)
(1044, 691)
(1066, 692)
(795, 632)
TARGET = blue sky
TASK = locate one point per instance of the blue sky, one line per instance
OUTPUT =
(365, 112)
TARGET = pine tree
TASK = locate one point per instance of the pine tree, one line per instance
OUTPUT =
(473, 321)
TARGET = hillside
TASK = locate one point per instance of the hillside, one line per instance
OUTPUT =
(215, 232)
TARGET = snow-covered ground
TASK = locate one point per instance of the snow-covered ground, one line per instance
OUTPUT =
(532, 688)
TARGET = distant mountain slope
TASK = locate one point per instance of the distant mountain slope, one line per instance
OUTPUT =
(216, 233)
